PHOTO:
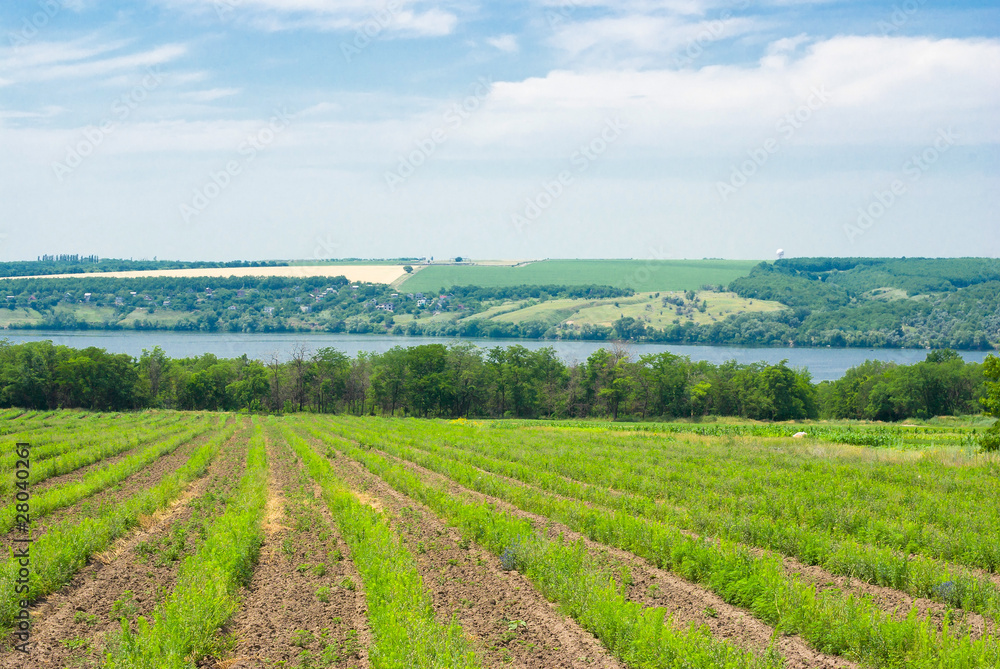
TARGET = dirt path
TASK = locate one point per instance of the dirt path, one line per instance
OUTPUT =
(71, 627)
(685, 601)
(511, 623)
(304, 603)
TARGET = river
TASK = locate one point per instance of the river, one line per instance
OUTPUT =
(823, 363)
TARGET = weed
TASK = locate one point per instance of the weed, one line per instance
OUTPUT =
(302, 638)
(124, 607)
(84, 617)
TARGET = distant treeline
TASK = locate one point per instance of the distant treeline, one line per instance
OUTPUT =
(254, 304)
(468, 381)
(76, 264)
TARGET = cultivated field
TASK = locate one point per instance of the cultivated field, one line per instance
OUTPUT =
(640, 275)
(367, 273)
(168, 539)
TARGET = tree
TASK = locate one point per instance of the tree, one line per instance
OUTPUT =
(407, 268)
(250, 389)
(153, 365)
(990, 440)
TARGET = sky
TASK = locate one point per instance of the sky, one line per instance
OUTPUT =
(320, 129)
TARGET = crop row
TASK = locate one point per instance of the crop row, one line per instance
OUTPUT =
(586, 479)
(66, 547)
(205, 595)
(61, 496)
(590, 591)
(100, 449)
(400, 612)
(875, 436)
(921, 503)
(52, 442)
(830, 621)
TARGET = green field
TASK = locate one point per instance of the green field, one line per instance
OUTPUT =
(729, 545)
(640, 275)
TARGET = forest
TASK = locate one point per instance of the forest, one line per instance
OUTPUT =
(463, 380)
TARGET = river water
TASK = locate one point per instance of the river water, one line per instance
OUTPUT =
(823, 363)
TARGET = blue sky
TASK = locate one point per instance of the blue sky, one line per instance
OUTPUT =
(221, 129)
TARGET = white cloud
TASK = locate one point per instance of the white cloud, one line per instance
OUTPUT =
(403, 18)
(881, 90)
(506, 43)
(646, 34)
(47, 61)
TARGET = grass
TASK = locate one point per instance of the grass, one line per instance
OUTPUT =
(640, 275)
(19, 316)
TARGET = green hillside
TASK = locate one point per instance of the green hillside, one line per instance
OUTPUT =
(639, 275)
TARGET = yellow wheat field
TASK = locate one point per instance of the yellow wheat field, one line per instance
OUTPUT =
(368, 273)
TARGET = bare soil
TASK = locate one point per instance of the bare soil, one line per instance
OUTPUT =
(73, 626)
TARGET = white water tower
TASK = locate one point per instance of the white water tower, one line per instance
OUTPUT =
(781, 253)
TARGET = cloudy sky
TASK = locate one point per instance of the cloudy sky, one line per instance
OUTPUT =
(224, 129)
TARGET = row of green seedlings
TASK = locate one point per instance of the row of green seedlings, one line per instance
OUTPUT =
(587, 588)
(831, 622)
(405, 632)
(64, 495)
(37, 428)
(67, 546)
(879, 564)
(183, 627)
(53, 442)
(924, 505)
(22, 420)
(102, 444)
(876, 435)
